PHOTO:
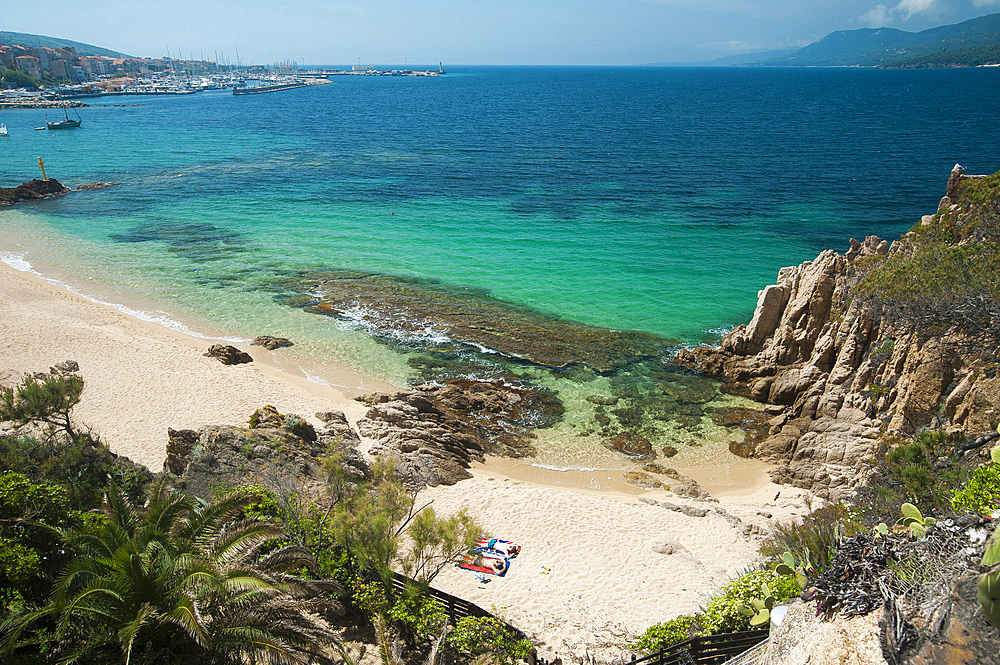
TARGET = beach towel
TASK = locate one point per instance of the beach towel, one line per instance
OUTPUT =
(484, 562)
(505, 547)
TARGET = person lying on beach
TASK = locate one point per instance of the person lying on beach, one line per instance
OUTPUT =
(483, 563)
(505, 547)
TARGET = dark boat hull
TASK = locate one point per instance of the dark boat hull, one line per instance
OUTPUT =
(63, 124)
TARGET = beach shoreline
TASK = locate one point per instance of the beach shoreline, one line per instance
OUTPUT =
(619, 557)
(142, 377)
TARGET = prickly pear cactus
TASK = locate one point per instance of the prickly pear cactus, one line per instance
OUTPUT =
(789, 566)
(913, 521)
(989, 582)
(759, 610)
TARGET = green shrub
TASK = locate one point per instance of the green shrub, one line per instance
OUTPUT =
(818, 533)
(666, 634)
(43, 400)
(20, 79)
(912, 474)
(420, 617)
(31, 547)
(78, 465)
(474, 637)
(948, 275)
(722, 613)
(981, 494)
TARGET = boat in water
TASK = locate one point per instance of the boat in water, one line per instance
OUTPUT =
(63, 124)
(3, 129)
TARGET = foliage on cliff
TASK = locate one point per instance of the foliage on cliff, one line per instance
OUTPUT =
(722, 614)
(51, 449)
(974, 56)
(945, 274)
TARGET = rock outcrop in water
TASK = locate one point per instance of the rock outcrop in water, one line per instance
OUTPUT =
(849, 366)
(434, 433)
(421, 308)
(31, 191)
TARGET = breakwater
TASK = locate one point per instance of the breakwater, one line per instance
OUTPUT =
(8, 103)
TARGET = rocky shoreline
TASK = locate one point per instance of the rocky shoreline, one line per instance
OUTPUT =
(12, 104)
(838, 374)
(31, 191)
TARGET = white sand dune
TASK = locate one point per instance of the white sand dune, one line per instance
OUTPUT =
(588, 578)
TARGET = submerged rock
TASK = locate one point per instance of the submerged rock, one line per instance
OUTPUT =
(643, 480)
(631, 445)
(406, 308)
(271, 343)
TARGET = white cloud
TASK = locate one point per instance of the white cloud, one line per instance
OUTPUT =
(881, 15)
(909, 8)
(876, 17)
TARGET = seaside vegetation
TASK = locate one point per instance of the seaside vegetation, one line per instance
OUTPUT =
(920, 476)
(723, 613)
(100, 564)
(16, 79)
(946, 275)
(974, 56)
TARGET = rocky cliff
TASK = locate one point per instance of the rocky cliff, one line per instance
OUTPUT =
(882, 339)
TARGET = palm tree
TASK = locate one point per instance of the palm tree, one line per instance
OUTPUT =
(182, 581)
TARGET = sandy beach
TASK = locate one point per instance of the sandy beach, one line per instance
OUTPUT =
(601, 560)
(141, 378)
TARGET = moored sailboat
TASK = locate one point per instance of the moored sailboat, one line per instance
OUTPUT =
(64, 124)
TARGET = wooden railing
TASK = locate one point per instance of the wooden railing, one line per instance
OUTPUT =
(455, 607)
(707, 650)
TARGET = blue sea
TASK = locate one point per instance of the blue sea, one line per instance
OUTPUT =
(566, 228)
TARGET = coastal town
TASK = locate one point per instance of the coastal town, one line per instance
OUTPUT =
(44, 77)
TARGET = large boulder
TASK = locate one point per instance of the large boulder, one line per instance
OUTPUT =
(275, 451)
(803, 637)
(845, 374)
(228, 355)
(434, 433)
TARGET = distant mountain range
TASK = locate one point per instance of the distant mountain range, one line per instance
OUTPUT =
(967, 43)
(37, 41)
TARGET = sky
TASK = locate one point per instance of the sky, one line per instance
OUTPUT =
(500, 32)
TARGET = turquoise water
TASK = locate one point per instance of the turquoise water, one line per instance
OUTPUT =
(632, 199)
